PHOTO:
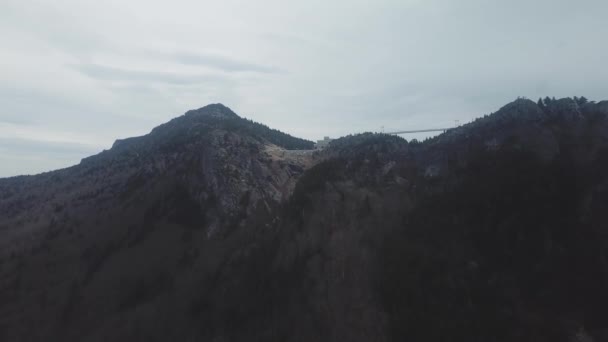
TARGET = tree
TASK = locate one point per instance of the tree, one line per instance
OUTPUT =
(540, 103)
(581, 100)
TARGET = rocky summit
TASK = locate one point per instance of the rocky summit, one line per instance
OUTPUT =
(213, 227)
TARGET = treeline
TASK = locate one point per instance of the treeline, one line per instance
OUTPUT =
(358, 143)
(277, 137)
(569, 105)
(548, 102)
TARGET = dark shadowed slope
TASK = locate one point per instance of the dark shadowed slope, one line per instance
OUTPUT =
(493, 231)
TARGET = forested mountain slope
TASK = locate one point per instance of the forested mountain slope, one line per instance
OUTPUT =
(210, 229)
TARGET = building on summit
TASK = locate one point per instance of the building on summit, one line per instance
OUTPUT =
(321, 144)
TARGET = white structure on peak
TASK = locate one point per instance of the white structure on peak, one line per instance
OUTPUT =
(321, 144)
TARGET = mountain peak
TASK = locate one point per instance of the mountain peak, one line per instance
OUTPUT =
(196, 124)
(522, 109)
(216, 110)
(209, 114)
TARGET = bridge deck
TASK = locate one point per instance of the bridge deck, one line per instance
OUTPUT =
(420, 131)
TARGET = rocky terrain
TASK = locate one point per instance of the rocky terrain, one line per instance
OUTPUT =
(216, 228)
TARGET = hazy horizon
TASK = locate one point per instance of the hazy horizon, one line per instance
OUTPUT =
(77, 75)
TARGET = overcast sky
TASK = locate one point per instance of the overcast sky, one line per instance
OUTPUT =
(75, 74)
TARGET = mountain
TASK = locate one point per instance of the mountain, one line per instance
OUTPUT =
(216, 228)
(154, 213)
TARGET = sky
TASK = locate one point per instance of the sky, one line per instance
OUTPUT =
(75, 75)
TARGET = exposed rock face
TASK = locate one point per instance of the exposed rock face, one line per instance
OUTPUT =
(215, 228)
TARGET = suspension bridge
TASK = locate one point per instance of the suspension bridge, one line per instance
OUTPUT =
(423, 130)
(325, 142)
(420, 130)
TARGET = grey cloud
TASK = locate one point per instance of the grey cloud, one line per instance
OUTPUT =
(222, 63)
(101, 72)
(12, 118)
(24, 156)
(53, 110)
(28, 146)
(55, 26)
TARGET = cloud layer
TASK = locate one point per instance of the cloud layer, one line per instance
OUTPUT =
(84, 73)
